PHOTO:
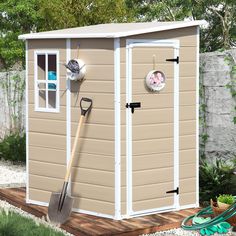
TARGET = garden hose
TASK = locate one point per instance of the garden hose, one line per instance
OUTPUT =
(230, 212)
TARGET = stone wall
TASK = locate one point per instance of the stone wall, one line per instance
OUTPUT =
(216, 121)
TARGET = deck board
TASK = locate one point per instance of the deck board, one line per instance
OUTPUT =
(86, 225)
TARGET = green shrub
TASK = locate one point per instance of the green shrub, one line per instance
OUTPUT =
(226, 198)
(216, 178)
(13, 224)
(13, 147)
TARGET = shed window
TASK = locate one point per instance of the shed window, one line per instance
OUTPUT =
(46, 81)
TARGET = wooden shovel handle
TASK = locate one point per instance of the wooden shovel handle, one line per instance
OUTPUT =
(68, 172)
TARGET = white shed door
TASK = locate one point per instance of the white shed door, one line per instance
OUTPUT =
(151, 146)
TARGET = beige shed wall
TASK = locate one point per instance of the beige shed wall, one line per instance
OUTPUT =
(187, 129)
(47, 131)
(93, 172)
(93, 180)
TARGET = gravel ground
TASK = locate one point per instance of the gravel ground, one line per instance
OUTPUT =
(12, 175)
(8, 207)
(179, 231)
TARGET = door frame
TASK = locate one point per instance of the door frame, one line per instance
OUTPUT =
(130, 44)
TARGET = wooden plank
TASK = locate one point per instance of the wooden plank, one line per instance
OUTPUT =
(82, 224)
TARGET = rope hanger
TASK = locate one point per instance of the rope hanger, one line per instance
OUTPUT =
(154, 61)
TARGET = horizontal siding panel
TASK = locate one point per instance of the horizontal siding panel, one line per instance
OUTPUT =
(94, 206)
(90, 43)
(96, 146)
(47, 126)
(83, 204)
(187, 84)
(153, 146)
(91, 176)
(152, 204)
(187, 54)
(47, 140)
(94, 161)
(97, 116)
(187, 142)
(139, 71)
(187, 98)
(165, 115)
(162, 101)
(80, 190)
(154, 191)
(187, 185)
(97, 56)
(43, 154)
(153, 176)
(187, 171)
(152, 161)
(187, 127)
(187, 198)
(47, 169)
(187, 36)
(144, 55)
(47, 115)
(187, 112)
(104, 101)
(187, 156)
(94, 131)
(140, 132)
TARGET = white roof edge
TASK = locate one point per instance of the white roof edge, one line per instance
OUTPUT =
(112, 35)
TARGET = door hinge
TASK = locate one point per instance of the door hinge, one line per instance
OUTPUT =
(174, 191)
(133, 105)
(174, 60)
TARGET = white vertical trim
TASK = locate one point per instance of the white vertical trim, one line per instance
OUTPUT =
(68, 110)
(46, 68)
(176, 126)
(197, 116)
(129, 196)
(130, 43)
(27, 118)
(117, 129)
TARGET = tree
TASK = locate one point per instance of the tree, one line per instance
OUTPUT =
(220, 15)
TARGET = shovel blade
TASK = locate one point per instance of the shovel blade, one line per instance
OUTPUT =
(59, 216)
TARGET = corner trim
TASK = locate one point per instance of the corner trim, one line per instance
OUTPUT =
(117, 129)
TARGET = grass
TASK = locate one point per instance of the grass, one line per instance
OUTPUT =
(13, 224)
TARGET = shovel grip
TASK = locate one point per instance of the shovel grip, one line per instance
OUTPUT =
(85, 110)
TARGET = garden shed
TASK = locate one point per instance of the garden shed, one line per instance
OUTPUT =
(139, 149)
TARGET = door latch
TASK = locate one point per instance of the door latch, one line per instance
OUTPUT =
(133, 105)
(174, 191)
(174, 60)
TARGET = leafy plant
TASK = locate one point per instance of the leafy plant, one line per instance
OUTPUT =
(226, 198)
(12, 224)
(13, 147)
(216, 178)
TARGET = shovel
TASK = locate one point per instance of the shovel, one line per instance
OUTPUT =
(60, 204)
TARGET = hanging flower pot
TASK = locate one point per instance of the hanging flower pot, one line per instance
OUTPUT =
(155, 80)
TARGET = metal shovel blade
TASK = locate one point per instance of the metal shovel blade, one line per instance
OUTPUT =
(59, 216)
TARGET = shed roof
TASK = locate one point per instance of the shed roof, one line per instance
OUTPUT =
(113, 30)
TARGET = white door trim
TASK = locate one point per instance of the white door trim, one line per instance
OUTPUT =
(131, 43)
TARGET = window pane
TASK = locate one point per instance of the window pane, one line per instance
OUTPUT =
(52, 68)
(42, 99)
(41, 67)
(42, 86)
(51, 99)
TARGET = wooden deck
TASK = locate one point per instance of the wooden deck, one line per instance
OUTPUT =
(82, 224)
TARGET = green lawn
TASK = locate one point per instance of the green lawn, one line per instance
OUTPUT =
(13, 224)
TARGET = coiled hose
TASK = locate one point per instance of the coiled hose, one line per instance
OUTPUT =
(231, 211)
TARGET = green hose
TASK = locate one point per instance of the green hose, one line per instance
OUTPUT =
(231, 211)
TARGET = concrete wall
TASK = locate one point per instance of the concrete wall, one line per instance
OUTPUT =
(215, 74)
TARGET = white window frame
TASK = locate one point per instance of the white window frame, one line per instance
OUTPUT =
(46, 81)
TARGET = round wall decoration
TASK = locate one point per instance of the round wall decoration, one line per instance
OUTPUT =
(155, 80)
